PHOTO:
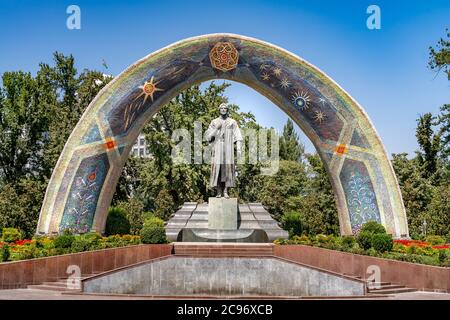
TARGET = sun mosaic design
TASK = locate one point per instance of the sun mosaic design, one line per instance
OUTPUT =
(301, 99)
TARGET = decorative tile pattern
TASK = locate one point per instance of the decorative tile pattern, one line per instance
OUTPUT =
(84, 193)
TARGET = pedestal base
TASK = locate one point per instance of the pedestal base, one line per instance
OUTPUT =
(253, 224)
(222, 214)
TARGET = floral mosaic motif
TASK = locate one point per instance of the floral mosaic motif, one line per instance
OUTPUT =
(224, 56)
(361, 201)
(82, 203)
(359, 193)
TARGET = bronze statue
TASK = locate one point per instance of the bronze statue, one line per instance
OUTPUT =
(222, 133)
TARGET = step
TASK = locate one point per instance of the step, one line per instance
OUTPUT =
(392, 291)
(49, 287)
(223, 249)
(370, 283)
(386, 286)
(82, 277)
(56, 283)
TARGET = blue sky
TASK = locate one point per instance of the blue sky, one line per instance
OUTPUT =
(384, 70)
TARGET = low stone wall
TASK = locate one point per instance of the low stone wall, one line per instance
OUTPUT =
(19, 274)
(421, 277)
(226, 276)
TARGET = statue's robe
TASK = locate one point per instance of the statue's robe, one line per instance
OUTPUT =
(222, 153)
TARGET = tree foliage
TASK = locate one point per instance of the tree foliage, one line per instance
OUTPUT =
(439, 58)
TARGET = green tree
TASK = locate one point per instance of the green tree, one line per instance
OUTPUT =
(24, 122)
(319, 206)
(290, 147)
(416, 191)
(438, 222)
(429, 144)
(20, 203)
(439, 58)
(279, 192)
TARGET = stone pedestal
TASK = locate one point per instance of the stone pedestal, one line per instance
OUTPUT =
(247, 222)
(222, 214)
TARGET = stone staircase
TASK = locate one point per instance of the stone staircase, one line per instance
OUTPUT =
(384, 288)
(57, 285)
(387, 288)
(222, 249)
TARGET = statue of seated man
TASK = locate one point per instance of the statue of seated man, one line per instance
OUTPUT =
(223, 132)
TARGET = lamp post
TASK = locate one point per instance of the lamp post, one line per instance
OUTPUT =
(424, 227)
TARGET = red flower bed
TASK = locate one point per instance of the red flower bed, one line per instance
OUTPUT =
(22, 242)
(442, 247)
(418, 243)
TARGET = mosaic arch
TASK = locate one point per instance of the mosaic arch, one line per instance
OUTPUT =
(85, 177)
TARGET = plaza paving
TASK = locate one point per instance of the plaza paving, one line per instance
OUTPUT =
(33, 294)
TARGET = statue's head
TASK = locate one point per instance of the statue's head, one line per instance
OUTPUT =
(223, 109)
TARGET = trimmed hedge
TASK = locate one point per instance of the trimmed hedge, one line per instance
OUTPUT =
(382, 242)
(153, 231)
(117, 222)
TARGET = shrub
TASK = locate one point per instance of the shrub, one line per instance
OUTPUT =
(364, 239)
(64, 240)
(154, 221)
(4, 253)
(24, 252)
(348, 241)
(11, 235)
(399, 248)
(382, 242)
(447, 238)
(280, 241)
(443, 255)
(80, 244)
(435, 240)
(131, 239)
(292, 222)
(153, 234)
(134, 209)
(117, 222)
(164, 205)
(373, 227)
(153, 231)
(303, 239)
(356, 250)
(322, 238)
(147, 215)
(414, 258)
(372, 252)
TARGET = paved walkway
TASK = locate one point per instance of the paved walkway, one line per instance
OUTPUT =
(34, 294)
